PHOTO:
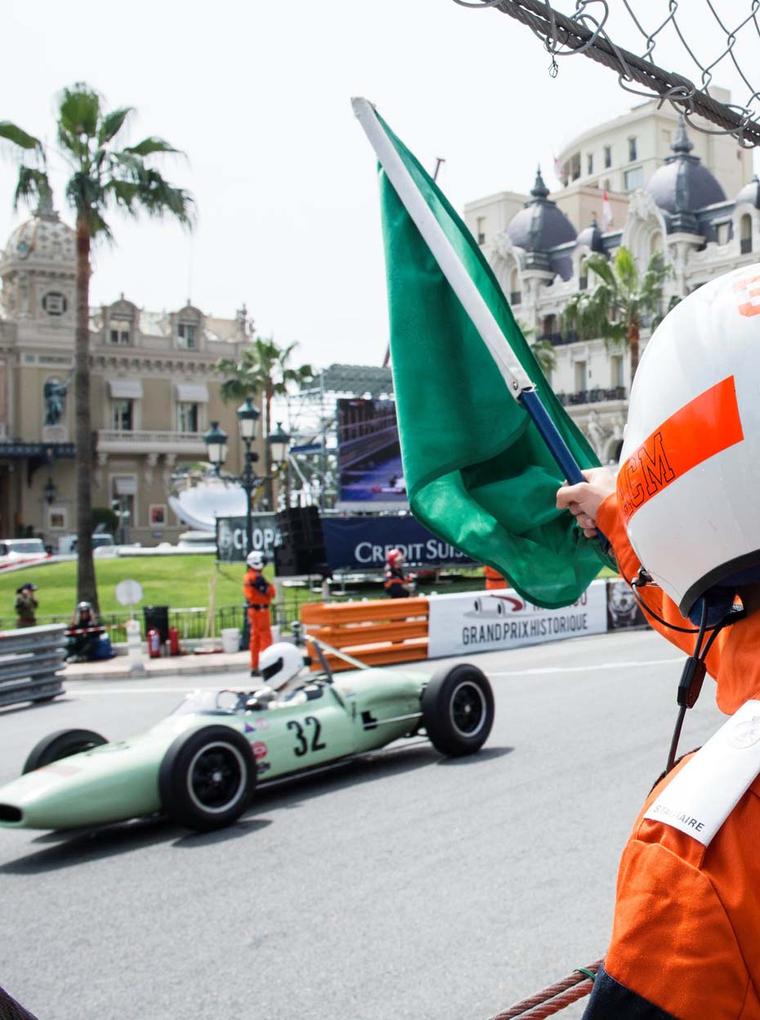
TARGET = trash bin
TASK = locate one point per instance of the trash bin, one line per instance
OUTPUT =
(157, 618)
(230, 639)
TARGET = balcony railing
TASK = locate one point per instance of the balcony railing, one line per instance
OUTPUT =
(593, 396)
(146, 440)
(569, 336)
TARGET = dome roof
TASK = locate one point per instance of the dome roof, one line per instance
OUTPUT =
(682, 184)
(750, 193)
(41, 241)
(540, 224)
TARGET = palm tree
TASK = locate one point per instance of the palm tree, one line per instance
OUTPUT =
(263, 369)
(103, 177)
(614, 309)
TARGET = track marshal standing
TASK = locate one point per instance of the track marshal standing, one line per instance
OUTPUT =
(258, 594)
(683, 518)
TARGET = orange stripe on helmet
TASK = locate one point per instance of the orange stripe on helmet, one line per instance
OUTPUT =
(705, 426)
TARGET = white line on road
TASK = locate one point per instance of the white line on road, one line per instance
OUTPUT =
(581, 669)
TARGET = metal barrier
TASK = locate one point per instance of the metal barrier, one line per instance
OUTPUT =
(30, 662)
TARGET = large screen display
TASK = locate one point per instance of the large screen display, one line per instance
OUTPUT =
(369, 455)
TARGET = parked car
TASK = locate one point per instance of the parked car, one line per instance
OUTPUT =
(15, 551)
(67, 544)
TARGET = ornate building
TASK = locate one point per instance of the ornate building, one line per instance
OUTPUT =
(153, 394)
(540, 260)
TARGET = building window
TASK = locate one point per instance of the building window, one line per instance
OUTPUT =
(123, 415)
(632, 150)
(575, 166)
(589, 162)
(549, 328)
(582, 275)
(123, 493)
(580, 376)
(119, 332)
(723, 233)
(607, 157)
(616, 370)
(186, 335)
(54, 303)
(481, 229)
(634, 178)
(187, 417)
(746, 233)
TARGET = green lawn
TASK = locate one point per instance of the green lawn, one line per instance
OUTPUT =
(177, 581)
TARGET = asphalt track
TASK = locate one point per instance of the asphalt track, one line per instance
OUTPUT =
(402, 886)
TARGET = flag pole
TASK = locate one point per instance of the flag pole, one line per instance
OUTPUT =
(517, 381)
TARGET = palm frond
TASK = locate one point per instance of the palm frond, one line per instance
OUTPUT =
(20, 139)
(112, 124)
(79, 111)
(150, 146)
(32, 185)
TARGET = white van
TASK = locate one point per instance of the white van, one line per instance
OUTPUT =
(21, 550)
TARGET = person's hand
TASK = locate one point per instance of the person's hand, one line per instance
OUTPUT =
(584, 499)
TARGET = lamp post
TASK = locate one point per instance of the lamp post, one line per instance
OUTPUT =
(279, 441)
(248, 420)
(50, 492)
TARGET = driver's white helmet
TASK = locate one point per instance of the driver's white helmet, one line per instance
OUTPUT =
(280, 663)
(255, 559)
(689, 482)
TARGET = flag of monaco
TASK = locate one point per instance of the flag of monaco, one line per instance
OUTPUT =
(477, 471)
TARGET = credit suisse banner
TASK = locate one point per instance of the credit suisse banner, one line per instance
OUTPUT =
(467, 622)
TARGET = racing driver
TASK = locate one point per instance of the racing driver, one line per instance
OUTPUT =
(683, 518)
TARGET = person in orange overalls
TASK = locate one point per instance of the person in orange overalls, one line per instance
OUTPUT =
(258, 594)
(685, 940)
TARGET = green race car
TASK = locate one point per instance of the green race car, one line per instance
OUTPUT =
(202, 764)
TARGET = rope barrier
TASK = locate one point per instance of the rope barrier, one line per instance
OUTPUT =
(554, 998)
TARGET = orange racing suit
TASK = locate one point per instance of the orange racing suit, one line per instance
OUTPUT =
(686, 934)
(258, 594)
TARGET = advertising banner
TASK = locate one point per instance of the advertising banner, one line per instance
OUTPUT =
(362, 543)
(230, 537)
(351, 543)
(622, 608)
(369, 455)
(485, 621)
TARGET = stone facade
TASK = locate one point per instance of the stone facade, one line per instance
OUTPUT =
(682, 211)
(154, 393)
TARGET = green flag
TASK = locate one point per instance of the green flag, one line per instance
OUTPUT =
(477, 472)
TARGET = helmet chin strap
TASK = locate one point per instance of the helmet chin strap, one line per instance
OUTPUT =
(693, 674)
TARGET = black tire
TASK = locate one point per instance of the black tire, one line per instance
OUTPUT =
(207, 778)
(458, 709)
(61, 744)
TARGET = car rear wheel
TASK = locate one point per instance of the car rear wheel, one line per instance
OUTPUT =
(61, 744)
(458, 709)
(207, 778)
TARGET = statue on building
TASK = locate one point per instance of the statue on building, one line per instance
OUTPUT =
(54, 392)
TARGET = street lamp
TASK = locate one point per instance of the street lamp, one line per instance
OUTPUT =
(216, 444)
(278, 442)
(50, 492)
(248, 417)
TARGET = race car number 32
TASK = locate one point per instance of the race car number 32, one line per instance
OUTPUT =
(303, 734)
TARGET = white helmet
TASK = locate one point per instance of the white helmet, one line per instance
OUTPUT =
(689, 482)
(280, 663)
(255, 559)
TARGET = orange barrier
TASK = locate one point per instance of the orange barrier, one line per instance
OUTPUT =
(378, 632)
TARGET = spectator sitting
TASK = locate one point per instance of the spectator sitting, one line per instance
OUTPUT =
(83, 634)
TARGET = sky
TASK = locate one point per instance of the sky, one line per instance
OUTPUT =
(257, 95)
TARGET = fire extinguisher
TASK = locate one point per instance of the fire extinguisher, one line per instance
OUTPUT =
(154, 643)
(174, 648)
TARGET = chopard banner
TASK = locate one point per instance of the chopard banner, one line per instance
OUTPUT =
(461, 624)
(351, 543)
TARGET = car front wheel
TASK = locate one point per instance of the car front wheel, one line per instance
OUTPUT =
(61, 744)
(207, 778)
(458, 709)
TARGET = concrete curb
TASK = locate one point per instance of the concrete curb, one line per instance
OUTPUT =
(119, 670)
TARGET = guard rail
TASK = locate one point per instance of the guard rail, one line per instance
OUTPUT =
(31, 660)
